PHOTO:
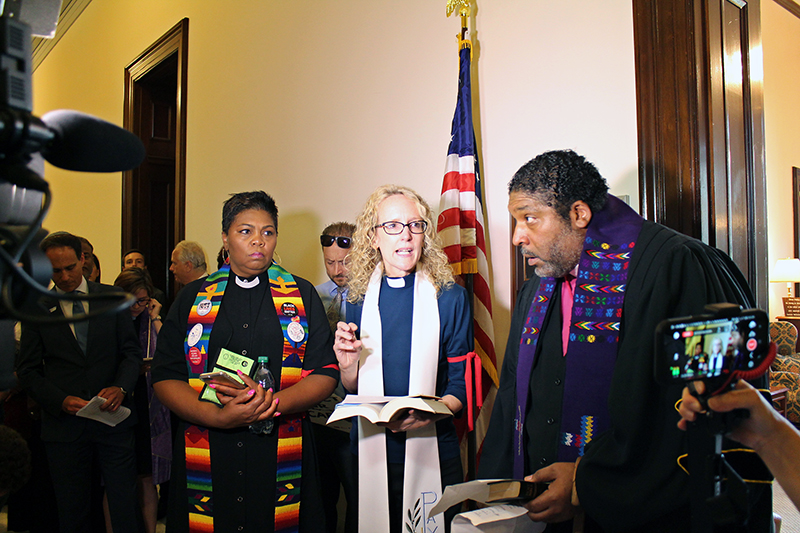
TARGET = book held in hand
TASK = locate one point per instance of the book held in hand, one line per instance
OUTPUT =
(384, 408)
(513, 491)
(489, 491)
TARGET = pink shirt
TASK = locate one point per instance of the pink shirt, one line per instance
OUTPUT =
(567, 298)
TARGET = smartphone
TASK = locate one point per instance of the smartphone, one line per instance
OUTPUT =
(706, 346)
(222, 378)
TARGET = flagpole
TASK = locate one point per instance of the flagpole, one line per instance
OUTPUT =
(472, 448)
(464, 10)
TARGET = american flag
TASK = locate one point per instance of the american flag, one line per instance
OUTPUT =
(461, 232)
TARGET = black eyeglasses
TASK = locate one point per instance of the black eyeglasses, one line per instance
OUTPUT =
(328, 240)
(142, 301)
(394, 227)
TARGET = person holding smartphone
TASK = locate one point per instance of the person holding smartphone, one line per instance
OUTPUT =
(153, 434)
(225, 476)
(772, 437)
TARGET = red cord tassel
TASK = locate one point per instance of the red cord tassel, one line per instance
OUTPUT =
(474, 382)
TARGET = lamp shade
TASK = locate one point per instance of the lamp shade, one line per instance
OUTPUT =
(786, 271)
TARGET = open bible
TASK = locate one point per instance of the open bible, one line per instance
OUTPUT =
(384, 408)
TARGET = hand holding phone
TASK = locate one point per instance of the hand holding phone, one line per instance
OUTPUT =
(221, 378)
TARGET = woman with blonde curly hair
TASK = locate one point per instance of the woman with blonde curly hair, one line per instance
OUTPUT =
(412, 322)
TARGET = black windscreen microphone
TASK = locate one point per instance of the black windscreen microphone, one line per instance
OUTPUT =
(85, 143)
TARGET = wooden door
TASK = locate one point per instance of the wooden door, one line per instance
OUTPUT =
(701, 131)
(153, 206)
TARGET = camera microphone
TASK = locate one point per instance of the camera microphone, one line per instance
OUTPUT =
(85, 143)
(70, 140)
(66, 139)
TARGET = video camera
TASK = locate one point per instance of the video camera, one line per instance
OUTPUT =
(67, 139)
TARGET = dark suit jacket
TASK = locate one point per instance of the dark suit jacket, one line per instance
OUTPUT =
(52, 366)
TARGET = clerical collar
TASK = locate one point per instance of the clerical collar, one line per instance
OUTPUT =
(399, 283)
(247, 283)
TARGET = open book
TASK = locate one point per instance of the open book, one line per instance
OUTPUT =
(384, 408)
(489, 491)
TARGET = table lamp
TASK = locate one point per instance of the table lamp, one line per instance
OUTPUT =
(788, 271)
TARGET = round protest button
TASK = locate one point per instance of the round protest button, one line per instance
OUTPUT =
(296, 332)
(194, 334)
(204, 307)
(195, 357)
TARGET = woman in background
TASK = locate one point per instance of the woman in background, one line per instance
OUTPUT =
(153, 435)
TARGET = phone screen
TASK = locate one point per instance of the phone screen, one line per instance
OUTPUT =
(700, 348)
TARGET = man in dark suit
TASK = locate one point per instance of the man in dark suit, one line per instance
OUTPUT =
(62, 366)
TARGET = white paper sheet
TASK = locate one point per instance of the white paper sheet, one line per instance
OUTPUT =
(92, 410)
(496, 519)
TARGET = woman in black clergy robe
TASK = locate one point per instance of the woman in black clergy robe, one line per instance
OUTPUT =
(242, 484)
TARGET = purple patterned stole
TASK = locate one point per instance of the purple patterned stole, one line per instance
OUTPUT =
(593, 334)
(160, 426)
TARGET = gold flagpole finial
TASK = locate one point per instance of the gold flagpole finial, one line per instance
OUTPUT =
(462, 6)
(464, 9)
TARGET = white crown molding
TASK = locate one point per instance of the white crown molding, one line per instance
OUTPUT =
(70, 11)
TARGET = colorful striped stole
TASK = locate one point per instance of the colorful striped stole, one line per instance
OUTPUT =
(294, 326)
(198, 454)
(292, 315)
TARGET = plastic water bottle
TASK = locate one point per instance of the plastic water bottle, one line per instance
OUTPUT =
(264, 377)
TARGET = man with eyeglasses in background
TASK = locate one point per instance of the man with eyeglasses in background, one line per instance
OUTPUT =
(333, 442)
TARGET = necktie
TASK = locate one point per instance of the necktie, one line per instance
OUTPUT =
(567, 297)
(82, 327)
(335, 309)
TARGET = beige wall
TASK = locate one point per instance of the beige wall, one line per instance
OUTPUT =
(319, 102)
(781, 46)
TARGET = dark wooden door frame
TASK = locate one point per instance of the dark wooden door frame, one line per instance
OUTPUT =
(679, 126)
(175, 41)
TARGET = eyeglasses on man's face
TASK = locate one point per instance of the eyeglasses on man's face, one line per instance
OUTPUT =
(393, 227)
(328, 240)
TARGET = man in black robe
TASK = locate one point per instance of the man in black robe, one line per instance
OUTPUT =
(620, 466)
